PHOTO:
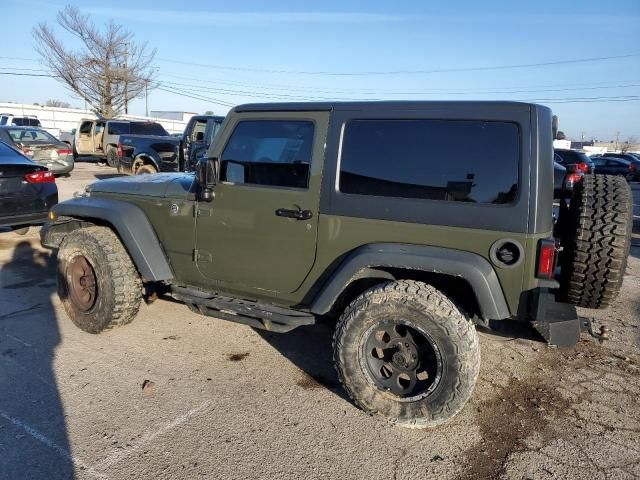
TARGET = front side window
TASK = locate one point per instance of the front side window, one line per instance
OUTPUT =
(197, 135)
(269, 152)
(86, 127)
(453, 160)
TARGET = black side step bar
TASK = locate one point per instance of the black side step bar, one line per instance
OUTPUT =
(248, 312)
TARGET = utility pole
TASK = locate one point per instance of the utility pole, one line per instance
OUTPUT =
(126, 79)
(146, 98)
(617, 138)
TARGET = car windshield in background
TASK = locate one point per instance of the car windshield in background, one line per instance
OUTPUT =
(147, 128)
(31, 135)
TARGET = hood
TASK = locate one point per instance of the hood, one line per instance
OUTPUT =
(154, 185)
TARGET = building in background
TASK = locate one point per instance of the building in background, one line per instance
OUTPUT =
(173, 115)
(66, 119)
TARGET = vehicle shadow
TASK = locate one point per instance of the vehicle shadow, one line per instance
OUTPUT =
(33, 433)
(106, 176)
(309, 348)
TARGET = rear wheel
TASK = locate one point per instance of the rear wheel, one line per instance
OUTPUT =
(112, 157)
(404, 350)
(146, 169)
(596, 241)
(97, 281)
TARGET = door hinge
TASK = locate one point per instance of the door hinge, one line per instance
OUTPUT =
(201, 212)
(202, 256)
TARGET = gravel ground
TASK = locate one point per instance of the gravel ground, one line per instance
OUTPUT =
(224, 401)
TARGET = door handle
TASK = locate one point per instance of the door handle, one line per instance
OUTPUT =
(298, 214)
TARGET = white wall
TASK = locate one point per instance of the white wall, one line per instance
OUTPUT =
(66, 119)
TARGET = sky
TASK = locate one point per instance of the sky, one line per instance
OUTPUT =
(557, 53)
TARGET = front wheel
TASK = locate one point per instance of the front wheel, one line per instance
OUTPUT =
(97, 282)
(404, 350)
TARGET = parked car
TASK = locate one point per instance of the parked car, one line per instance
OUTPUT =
(26, 121)
(100, 138)
(572, 157)
(614, 166)
(360, 211)
(629, 157)
(41, 147)
(27, 190)
(565, 179)
(149, 154)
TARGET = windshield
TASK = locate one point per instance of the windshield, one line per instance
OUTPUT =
(148, 128)
(31, 135)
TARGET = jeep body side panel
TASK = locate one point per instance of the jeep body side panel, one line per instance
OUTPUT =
(471, 267)
(131, 225)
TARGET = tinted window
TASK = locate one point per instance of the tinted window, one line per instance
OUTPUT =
(454, 160)
(86, 127)
(269, 152)
(117, 128)
(147, 128)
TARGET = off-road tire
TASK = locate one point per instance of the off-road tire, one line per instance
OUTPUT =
(146, 169)
(597, 241)
(119, 288)
(112, 157)
(424, 307)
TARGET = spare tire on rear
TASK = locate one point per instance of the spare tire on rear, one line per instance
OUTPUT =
(596, 241)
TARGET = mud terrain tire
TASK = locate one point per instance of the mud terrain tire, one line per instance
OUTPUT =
(98, 284)
(597, 240)
(112, 157)
(415, 307)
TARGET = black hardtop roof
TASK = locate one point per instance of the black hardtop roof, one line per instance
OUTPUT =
(206, 117)
(379, 105)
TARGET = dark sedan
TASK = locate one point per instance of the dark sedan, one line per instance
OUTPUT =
(572, 157)
(614, 166)
(27, 190)
(629, 157)
(40, 146)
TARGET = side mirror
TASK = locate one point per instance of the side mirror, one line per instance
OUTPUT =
(73, 131)
(206, 174)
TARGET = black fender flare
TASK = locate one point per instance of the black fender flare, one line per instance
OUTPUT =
(476, 270)
(128, 221)
(149, 158)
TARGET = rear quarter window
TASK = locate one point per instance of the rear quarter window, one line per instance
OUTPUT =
(118, 128)
(148, 128)
(450, 160)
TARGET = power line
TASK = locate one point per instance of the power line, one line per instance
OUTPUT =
(400, 72)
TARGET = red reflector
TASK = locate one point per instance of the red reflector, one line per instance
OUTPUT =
(546, 259)
(43, 176)
(632, 168)
(120, 153)
(65, 152)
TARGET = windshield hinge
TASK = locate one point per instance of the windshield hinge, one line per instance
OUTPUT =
(202, 256)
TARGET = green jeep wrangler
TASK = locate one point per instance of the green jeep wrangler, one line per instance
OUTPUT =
(411, 222)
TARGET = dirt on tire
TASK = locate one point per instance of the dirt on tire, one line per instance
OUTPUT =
(425, 308)
(118, 288)
(597, 241)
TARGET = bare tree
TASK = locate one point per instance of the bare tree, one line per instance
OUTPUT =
(108, 70)
(57, 103)
(628, 144)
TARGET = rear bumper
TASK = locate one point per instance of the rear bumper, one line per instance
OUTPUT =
(35, 218)
(557, 322)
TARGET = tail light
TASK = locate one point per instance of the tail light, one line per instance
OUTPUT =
(42, 176)
(120, 153)
(571, 179)
(632, 168)
(583, 167)
(65, 152)
(546, 259)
